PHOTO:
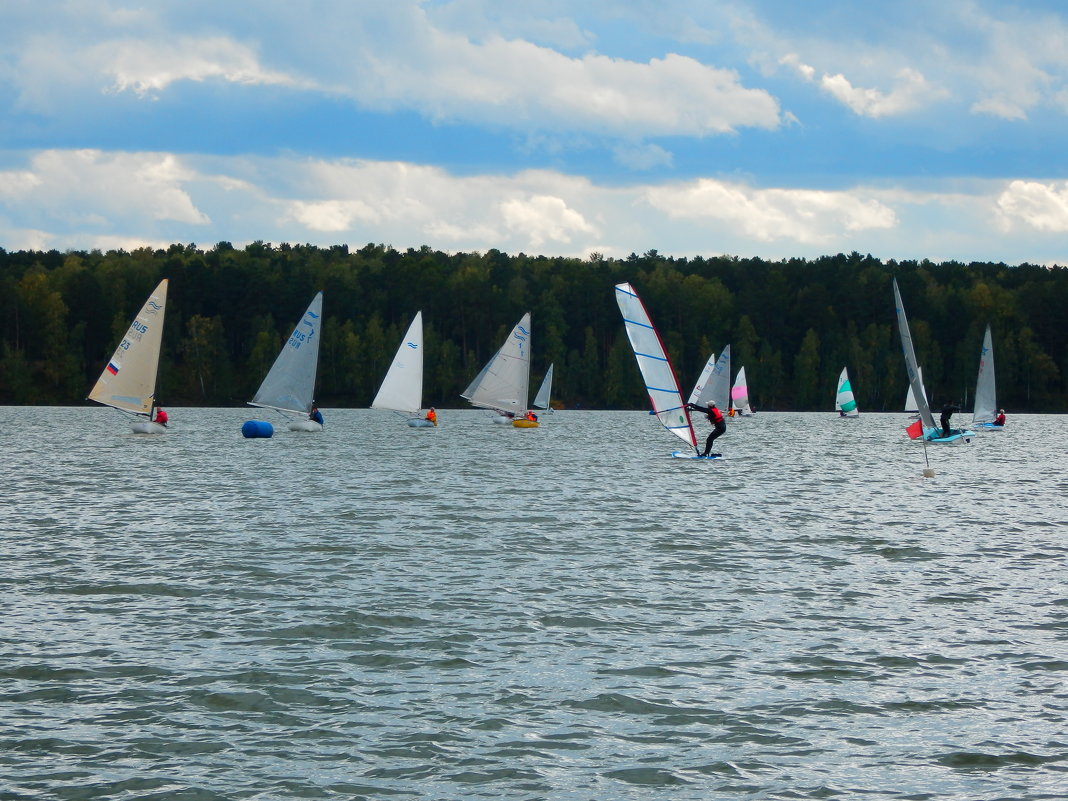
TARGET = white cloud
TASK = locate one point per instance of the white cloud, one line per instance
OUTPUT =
(1039, 206)
(148, 67)
(805, 216)
(544, 218)
(911, 91)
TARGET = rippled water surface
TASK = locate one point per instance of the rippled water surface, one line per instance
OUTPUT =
(483, 612)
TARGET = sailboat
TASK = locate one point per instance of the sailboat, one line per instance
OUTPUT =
(844, 401)
(986, 404)
(541, 400)
(740, 396)
(502, 384)
(402, 388)
(128, 382)
(714, 384)
(290, 383)
(655, 366)
(910, 398)
(925, 427)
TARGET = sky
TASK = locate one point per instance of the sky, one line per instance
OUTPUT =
(767, 128)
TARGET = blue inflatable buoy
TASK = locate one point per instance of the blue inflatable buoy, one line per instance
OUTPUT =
(256, 429)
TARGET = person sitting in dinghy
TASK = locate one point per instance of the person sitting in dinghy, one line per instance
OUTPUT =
(160, 416)
(531, 416)
(315, 415)
(432, 416)
(1000, 419)
(715, 417)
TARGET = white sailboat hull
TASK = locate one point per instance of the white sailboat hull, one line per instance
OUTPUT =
(502, 419)
(420, 422)
(148, 427)
(305, 425)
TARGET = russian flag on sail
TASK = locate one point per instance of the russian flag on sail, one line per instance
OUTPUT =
(915, 431)
(113, 368)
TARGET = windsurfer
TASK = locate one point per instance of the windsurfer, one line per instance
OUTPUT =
(715, 417)
(947, 413)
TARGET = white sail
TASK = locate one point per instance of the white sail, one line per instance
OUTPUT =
(740, 394)
(290, 383)
(915, 380)
(541, 400)
(655, 366)
(844, 400)
(714, 384)
(129, 379)
(402, 388)
(910, 398)
(986, 406)
(504, 381)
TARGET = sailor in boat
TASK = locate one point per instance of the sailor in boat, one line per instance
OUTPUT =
(159, 416)
(531, 416)
(1000, 419)
(432, 416)
(947, 413)
(315, 415)
(715, 417)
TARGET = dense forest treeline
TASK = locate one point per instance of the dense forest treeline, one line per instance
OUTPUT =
(793, 324)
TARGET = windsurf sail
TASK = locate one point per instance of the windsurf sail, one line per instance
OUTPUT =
(986, 407)
(655, 366)
(915, 381)
(129, 378)
(402, 388)
(504, 381)
(290, 383)
(844, 400)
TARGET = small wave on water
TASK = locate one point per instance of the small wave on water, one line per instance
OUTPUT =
(562, 613)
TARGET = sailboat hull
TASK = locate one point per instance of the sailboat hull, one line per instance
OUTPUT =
(148, 427)
(501, 419)
(305, 425)
(420, 422)
(955, 435)
(688, 455)
(990, 427)
(524, 424)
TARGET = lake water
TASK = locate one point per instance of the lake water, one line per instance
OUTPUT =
(480, 612)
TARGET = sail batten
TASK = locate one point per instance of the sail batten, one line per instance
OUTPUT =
(654, 365)
(128, 381)
(290, 383)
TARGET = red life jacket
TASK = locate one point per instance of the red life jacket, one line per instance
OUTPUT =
(715, 416)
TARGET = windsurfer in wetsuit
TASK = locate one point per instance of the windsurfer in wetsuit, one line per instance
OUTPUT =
(947, 412)
(715, 417)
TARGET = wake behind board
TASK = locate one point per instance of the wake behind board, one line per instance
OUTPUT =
(686, 455)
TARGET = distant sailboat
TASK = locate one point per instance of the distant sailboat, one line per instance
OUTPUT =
(844, 401)
(655, 366)
(541, 400)
(925, 427)
(503, 384)
(402, 388)
(128, 382)
(290, 384)
(740, 396)
(714, 384)
(910, 399)
(986, 405)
